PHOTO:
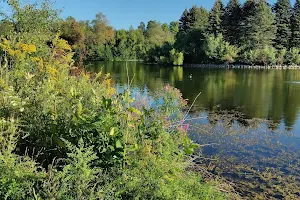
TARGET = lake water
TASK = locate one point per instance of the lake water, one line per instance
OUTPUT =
(272, 95)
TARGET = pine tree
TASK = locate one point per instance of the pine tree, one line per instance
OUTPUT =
(295, 25)
(183, 21)
(215, 18)
(142, 27)
(200, 18)
(248, 11)
(258, 24)
(232, 22)
(194, 18)
(283, 16)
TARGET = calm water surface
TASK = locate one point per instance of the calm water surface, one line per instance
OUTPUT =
(243, 153)
(267, 94)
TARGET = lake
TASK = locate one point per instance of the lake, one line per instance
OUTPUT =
(260, 141)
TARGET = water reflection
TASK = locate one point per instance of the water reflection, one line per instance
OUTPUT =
(267, 94)
(258, 156)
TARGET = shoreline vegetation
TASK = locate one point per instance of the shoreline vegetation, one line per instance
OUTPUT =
(66, 133)
(253, 33)
(238, 66)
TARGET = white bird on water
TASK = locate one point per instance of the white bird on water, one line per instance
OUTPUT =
(191, 76)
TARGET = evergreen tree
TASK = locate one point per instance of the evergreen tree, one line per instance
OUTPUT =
(199, 18)
(248, 11)
(283, 15)
(232, 22)
(142, 27)
(183, 21)
(174, 27)
(295, 25)
(194, 18)
(258, 25)
(215, 18)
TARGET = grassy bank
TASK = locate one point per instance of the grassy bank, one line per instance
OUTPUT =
(67, 134)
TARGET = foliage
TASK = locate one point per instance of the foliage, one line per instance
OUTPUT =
(157, 35)
(92, 143)
(259, 25)
(165, 55)
(192, 46)
(217, 50)
(248, 26)
(295, 25)
(78, 179)
(281, 56)
(215, 18)
(264, 56)
(232, 22)
(194, 18)
(18, 174)
(293, 56)
(283, 16)
(176, 57)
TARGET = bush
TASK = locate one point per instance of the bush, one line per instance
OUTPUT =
(105, 144)
(176, 58)
(281, 56)
(165, 55)
(219, 51)
(264, 56)
(18, 174)
(293, 56)
(58, 109)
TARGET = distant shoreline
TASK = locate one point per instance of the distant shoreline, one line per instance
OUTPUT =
(240, 66)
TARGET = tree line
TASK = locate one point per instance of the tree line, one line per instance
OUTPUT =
(251, 33)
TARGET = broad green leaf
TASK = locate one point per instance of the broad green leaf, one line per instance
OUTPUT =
(112, 131)
(119, 144)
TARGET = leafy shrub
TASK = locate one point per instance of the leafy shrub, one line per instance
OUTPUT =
(105, 145)
(18, 174)
(293, 56)
(264, 56)
(176, 57)
(165, 55)
(77, 179)
(217, 50)
(281, 56)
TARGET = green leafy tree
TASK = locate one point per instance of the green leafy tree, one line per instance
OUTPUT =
(103, 33)
(232, 22)
(73, 32)
(157, 34)
(295, 25)
(192, 45)
(283, 16)
(220, 51)
(6, 28)
(46, 23)
(215, 18)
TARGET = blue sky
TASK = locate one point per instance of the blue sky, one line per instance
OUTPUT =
(123, 13)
